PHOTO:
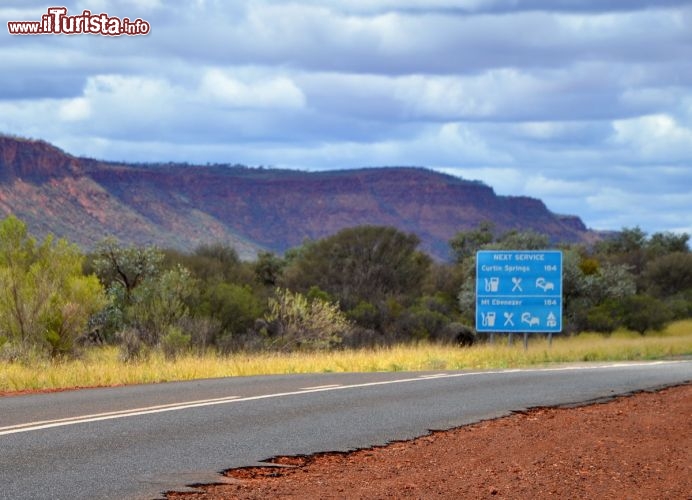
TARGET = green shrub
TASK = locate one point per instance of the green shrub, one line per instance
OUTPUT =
(234, 306)
(299, 324)
(420, 323)
(366, 315)
(175, 342)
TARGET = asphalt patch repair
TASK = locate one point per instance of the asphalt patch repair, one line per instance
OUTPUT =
(634, 447)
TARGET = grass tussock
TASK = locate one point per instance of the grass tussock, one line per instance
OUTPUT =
(102, 367)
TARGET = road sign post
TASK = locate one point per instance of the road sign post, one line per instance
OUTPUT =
(519, 291)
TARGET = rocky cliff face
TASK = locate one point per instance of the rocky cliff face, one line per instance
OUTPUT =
(182, 206)
(33, 160)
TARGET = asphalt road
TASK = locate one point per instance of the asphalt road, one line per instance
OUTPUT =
(139, 441)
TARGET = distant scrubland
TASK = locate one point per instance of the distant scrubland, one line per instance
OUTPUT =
(365, 298)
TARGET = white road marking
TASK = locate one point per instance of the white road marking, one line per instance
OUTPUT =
(321, 387)
(47, 424)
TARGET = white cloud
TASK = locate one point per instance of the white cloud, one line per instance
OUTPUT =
(127, 100)
(447, 97)
(28, 118)
(275, 92)
(544, 185)
(457, 143)
(439, 146)
(560, 99)
(77, 109)
(655, 137)
(614, 208)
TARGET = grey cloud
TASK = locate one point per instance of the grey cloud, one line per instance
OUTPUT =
(40, 86)
(313, 38)
(569, 6)
(455, 7)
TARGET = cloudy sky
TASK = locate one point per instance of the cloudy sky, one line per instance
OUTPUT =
(584, 104)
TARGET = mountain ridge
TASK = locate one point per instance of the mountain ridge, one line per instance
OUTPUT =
(252, 208)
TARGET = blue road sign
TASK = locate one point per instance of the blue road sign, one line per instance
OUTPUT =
(519, 291)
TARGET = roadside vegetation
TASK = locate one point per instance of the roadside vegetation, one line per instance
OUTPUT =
(366, 298)
(102, 367)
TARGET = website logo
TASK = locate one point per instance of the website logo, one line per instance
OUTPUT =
(56, 21)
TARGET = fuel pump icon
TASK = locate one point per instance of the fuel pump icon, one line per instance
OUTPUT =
(489, 319)
(492, 284)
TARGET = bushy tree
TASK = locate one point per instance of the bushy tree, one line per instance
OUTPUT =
(669, 274)
(228, 299)
(590, 290)
(147, 302)
(45, 300)
(444, 280)
(268, 269)
(465, 244)
(125, 268)
(628, 241)
(366, 263)
(159, 303)
(666, 243)
(633, 247)
(211, 263)
(641, 313)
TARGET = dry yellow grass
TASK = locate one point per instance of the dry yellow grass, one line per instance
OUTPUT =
(101, 367)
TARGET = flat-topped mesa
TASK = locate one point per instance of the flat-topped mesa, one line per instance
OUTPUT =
(181, 206)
